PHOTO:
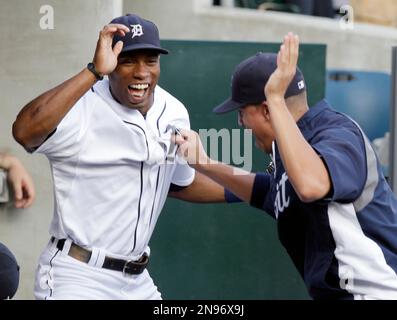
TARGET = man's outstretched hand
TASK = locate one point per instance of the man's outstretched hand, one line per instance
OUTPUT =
(287, 60)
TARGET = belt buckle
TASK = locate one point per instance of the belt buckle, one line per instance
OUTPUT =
(126, 266)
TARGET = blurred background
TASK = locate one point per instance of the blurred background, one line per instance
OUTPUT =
(198, 252)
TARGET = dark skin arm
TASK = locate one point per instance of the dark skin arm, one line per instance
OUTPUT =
(41, 116)
(201, 190)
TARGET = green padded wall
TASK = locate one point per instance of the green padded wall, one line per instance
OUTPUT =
(221, 251)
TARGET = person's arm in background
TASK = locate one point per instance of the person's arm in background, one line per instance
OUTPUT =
(20, 180)
(40, 117)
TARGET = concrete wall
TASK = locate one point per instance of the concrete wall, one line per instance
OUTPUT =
(366, 47)
(31, 61)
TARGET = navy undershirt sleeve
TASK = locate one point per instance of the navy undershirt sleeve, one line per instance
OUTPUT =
(48, 137)
(230, 197)
(260, 192)
(176, 188)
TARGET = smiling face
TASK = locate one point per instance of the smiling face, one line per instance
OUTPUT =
(256, 118)
(133, 81)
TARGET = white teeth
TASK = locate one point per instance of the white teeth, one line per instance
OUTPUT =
(140, 95)
(139, 86)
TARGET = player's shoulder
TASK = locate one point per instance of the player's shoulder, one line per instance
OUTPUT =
(170, 100)
(89, 98)
(92, 94)
(323, 116)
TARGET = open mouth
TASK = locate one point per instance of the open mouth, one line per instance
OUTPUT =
(138, 90)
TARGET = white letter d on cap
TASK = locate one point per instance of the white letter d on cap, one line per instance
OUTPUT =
(136, 30)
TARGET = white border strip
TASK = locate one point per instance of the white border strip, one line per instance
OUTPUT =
(393, 124)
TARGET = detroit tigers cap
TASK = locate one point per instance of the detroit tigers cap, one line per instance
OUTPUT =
(143, 34)
(249, 79)
(9, 273)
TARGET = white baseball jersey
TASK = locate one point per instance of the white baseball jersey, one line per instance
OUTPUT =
(112, 168)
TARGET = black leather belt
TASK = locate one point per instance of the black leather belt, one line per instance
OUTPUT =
(125, 266)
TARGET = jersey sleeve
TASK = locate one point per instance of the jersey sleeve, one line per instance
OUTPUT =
(261, 196)
(64, 141)
(183, 175)
(343, 152)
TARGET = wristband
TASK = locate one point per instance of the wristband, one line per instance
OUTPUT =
(91, 67)
(230, 197)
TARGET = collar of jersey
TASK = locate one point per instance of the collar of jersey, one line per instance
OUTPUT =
(304, 123)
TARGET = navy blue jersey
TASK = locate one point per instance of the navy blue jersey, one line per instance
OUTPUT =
(344, 246)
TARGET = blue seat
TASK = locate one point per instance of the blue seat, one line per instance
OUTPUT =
(364, 96)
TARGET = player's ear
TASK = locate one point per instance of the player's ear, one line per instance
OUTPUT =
(265, 110)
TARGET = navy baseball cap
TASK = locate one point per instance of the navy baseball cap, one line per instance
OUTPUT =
(9, 273)
(143, 34)
(249, 80)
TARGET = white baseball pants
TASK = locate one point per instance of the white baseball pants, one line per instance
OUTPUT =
(61, 277)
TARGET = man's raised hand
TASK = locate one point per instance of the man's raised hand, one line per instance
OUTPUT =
(105, 58)
(287, 60)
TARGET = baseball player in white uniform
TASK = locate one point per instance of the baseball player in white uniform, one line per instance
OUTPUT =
(108, 142)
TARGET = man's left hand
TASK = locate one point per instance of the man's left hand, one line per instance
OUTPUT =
(287, 60)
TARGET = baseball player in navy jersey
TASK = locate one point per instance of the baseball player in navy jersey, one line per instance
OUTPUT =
(109, 145)
(336, 215)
